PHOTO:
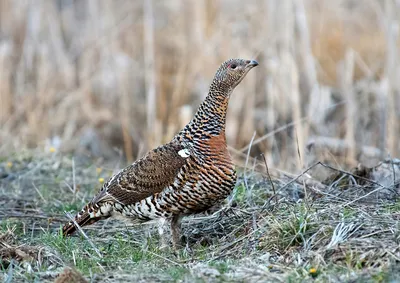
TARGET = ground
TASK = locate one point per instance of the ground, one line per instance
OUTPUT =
(269, 230)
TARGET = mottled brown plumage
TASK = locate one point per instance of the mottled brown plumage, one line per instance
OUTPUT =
(188, 175)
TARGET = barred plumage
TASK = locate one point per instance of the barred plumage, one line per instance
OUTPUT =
(188, 175)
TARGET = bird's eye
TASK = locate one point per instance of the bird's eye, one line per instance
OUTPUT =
(233, 66)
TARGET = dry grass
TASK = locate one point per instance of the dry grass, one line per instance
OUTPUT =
(291, 228)
(92, 77)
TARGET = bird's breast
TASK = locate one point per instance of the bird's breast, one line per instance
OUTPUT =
(218, 167)
(214, 151)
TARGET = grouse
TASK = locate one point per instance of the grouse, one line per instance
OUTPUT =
(188, 175)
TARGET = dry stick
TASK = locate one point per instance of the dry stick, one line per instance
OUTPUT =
(309, 71)
(39, 193)
(164, 258)
(288, 125)
(5, 87)
(375, 233)
(382, 113)
(290, 182)
(393, 255)
(335, 169)
(73, 179)
(269, 176)
(364, 196)
(237, 241)
(271, 134)
(349, 173)
(394, 172)
(83, 233)
(299, 130)
(248, 153)
(32, 230)
(245, 179)
(392, 36)
(348, 91)
(69, 187)
(299, 152)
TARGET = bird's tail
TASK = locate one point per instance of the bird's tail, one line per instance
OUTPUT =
(89, 214)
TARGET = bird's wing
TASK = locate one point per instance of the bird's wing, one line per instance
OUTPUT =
(148, 175)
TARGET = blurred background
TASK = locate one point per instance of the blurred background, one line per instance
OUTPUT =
(106, 79)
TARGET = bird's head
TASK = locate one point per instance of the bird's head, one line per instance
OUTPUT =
(231, 73)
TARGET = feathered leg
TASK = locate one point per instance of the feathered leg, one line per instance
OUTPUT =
(161, 226)
(176, 231)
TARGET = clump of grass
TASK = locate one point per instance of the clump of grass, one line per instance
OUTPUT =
(293, 228)
(12, 226)
(79, 253)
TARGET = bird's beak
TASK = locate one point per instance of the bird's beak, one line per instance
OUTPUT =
(252, 63)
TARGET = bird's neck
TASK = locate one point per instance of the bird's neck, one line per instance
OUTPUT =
(210, 118)
(213, 109)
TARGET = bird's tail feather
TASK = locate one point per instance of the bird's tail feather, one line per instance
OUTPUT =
(89, 214)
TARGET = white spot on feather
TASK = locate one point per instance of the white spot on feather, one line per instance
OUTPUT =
(105, 209)
(184, 153)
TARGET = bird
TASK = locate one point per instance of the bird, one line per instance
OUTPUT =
(188, 175)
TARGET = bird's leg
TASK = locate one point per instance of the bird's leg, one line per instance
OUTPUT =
(176, 230)
(161, 227)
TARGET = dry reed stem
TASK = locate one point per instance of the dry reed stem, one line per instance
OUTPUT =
(391, 73)
(351, 106)
(150, 75)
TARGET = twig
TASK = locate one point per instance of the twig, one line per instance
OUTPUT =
(164, 258)
(247, 157)
(348, 173)
(83, 233)
(375, 233)
(69, 187)
(288, 125)
(298, 176)
(394, 171)
(299, 149)
(269, 176)
(248, 192)
(73, 179)
(237, 241)
(39, 193)
(272, 184)
(364, 196)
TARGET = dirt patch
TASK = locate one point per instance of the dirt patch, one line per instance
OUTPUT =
(70, 275)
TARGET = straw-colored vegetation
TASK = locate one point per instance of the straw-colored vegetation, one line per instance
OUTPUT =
(88, 86)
